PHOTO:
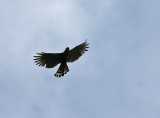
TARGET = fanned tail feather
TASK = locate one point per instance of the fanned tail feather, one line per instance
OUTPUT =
(63, 69)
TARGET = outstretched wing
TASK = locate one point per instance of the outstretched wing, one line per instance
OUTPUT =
(76, 52)
(48, 60)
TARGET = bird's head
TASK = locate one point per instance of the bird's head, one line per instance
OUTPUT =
(67, 49)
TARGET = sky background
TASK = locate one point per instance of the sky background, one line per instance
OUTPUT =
(117, 78)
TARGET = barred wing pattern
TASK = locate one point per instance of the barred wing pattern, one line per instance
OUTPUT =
(78, 51)
(49, 60)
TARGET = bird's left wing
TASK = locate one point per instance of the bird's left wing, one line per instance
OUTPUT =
(48, 60)
(76, 52)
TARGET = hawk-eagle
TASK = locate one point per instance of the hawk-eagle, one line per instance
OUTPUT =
(50, 60)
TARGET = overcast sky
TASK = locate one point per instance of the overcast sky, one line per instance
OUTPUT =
(119, 77)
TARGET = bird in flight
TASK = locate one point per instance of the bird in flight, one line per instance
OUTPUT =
(50, 60)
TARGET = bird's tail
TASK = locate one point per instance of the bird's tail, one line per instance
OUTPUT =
(63, 69)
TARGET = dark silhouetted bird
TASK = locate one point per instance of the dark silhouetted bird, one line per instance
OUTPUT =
(50, 60)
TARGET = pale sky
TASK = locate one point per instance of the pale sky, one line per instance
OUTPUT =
(117, 78)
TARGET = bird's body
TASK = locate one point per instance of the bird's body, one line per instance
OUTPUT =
(63, 69)
(50, 60)
(64, 56)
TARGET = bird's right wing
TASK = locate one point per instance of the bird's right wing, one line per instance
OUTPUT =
(48, 60)
(76, 52)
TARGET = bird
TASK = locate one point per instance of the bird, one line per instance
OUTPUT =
(50, 60)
